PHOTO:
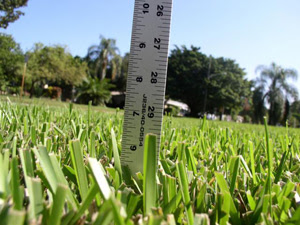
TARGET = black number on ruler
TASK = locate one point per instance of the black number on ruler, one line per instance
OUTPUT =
(133, 147)
(146, 6)
(135, 113)
(139, 79)
(150, 111)
(156, 43)
(143, 45)
(160, 9)
(153, 77)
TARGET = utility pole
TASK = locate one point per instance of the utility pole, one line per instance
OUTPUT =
(23, 77)
(206, 89)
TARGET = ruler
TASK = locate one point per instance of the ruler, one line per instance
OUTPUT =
(146, 81)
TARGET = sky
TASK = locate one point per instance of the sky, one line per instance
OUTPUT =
(252, 32)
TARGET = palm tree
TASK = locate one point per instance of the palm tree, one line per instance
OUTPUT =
(102, 55)
(116, 67)
(96, 90)
(279, 89)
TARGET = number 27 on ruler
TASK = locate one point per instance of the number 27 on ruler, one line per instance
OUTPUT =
(146, 80)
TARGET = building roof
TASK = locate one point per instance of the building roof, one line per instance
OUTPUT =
(180, 105)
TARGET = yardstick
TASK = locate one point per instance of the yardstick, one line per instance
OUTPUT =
(146, 81)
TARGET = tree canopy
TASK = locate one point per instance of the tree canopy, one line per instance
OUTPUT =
(11, 59)
(192, 79)
(273, 82)
(9, 11)
(54, 64)
(102, 56)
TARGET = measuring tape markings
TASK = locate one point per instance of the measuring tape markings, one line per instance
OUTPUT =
(146, 79)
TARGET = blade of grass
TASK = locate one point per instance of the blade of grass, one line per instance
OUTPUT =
(252, 162)
(99, 176)
(3, 176)
(150, 167)
(92, 149)
(117, 161)
(184, 187)
(79, 167)
(201, 219)
(62, 180)
(270, 163)
(86, 203)
(224, 189)
(118, 219)
(46, 165)
(15, 217)
(280, 168)
(234, 174)
(15, 185)
(58, 204)
(35, 197)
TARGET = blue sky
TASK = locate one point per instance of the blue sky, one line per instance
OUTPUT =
(255, 32)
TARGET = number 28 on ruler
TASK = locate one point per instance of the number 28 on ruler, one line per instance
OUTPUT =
(146, 80)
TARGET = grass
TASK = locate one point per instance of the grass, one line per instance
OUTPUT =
(60, 164)
(46, 102)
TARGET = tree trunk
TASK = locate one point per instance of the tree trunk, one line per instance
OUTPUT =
(221, 113)
(32, 89)
(271, 114)
(103, 73)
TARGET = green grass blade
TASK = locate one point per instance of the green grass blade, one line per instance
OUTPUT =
(47, 167)
(92, 149)
(173, 204)
(79, 167)
(117, 161)
(252, 161)
(280, 167)
(118, 219)
(62, 180)
(3, 176)
(295, 218)
(99, 176)
(224, 189)
(15, 185)
(150, 167)
(133, 203)
(184, 187)
(244, 164)
(15, 217)
(251, 201)
(270, 163)
(201, 219)
(234, 174)
(36, 204)
(86, 203)
(58, 204)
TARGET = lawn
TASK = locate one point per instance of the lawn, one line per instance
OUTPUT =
(60, 164)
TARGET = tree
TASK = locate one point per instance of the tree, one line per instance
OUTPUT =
(95, 90)
(295, 111)
(9, 11)
(120, 81)
(54, 65)
(186, 71)
(228, 87)
(101, 56)
(11, 61)
(278, 89)
(223, 87)
(259, 109)
(116, 67)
